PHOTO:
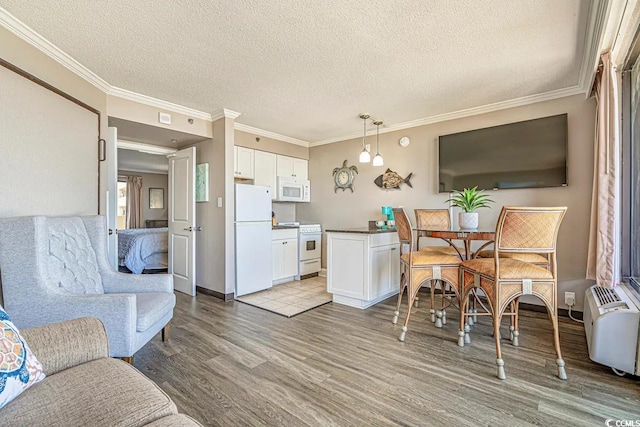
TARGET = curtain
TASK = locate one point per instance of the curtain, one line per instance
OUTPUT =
(603, 255)
(134, 202)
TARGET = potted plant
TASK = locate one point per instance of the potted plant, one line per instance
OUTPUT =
(469, 199)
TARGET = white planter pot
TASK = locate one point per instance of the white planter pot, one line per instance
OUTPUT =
(468, 220)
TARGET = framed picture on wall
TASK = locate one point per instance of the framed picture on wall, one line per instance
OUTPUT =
(156, 198)
(202, 182)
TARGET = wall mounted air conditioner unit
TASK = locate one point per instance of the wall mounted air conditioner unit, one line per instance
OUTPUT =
(611, 319)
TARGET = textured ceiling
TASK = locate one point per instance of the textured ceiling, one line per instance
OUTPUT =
(307, 68)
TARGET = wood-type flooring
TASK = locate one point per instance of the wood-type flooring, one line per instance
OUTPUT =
(231, 364)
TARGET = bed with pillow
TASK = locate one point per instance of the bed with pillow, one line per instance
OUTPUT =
(142, 249)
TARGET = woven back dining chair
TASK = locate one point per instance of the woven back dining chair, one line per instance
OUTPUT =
(434, 219)
(437, 219)
(519, 231)
(420, 267)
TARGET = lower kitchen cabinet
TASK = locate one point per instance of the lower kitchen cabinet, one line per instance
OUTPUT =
(284, 255)
(362, 268)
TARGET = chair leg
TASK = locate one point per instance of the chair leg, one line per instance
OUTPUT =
(562, 373)
(464, 299)
(412, 297)
(432, 294)
(438, 313)
(496, 335)
(402, 288)
(129, 359)
(514, 322)
(165, 332)
(442, 302)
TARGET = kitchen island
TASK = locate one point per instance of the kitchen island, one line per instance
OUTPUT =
(363, 265)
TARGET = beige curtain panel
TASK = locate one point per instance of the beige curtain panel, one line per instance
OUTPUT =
(602, 260)
(134, 202)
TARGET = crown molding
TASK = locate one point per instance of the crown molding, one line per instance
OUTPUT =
(272, 135)
(157, 103)
(145, 170)
(224, 112)
(17, 27)
(497, 106)
(145, 148)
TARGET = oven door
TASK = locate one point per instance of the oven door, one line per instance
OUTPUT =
(310, 246)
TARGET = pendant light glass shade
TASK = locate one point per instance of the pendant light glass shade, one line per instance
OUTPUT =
(378, 160)
(365, 156)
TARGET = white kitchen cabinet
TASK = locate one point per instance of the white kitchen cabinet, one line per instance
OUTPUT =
(265, 170)
(300, 169)
(292, 167)
(243, 162)
(362, 268)
(284, 248)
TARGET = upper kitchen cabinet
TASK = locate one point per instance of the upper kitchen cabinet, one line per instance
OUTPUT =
(265, 171)
(292, 167)
(243, 162)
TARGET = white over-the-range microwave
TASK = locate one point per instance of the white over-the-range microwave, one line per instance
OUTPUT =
(293, 190)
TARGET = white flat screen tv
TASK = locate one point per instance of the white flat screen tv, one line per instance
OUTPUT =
(527, 154)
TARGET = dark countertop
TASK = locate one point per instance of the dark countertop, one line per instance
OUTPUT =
(362, 230)
(283, 227)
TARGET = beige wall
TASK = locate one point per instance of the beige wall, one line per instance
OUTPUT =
(48, 143)
(151, 180)
(270, 145)
(343, 209)
(141, 113)
(215, 245)
(210, 256)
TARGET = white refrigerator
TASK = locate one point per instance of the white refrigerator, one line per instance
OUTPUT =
(253, 238)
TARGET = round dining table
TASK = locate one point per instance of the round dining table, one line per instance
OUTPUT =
(466, 236)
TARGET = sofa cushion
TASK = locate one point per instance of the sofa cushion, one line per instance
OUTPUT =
(19, 368)
(175, 421)
(151, 307)
(103, 392)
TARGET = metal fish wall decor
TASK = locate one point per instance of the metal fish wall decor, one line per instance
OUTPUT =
(391, 180)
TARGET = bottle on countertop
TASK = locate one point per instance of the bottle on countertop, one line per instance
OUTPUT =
(273, 219)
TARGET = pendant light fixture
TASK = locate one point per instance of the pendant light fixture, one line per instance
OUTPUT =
(377, 160)
(365, 157)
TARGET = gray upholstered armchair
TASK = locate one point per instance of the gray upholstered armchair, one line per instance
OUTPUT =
(56, 268)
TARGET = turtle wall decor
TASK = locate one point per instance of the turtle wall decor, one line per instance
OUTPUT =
(343, 176)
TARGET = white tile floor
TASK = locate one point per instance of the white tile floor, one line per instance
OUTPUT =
(291, 298)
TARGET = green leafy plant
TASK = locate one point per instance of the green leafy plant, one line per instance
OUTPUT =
(470, 199)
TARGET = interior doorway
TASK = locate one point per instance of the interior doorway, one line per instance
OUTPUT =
(142, 215)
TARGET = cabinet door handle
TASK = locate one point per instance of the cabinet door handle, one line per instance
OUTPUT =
(393, 249)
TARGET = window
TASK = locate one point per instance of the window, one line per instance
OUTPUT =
(630, 260)
(122, 206)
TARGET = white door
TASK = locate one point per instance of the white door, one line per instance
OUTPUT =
(265, 171)
(244, 159)
(277, 261)
(300, 169)
(182, 220)
(290, 257)
(253, 257)
(284, 166)
(112, 195)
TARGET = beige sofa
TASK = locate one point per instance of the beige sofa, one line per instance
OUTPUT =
(84, 387)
